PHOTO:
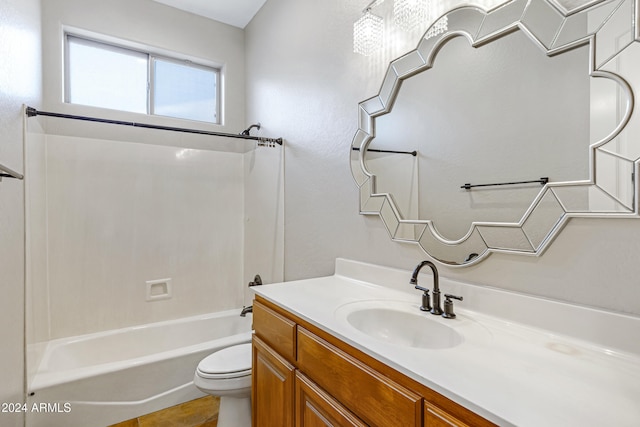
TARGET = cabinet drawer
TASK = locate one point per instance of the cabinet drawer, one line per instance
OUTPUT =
(368, 394)
(436, 417)
(276, 330)
(315, 408)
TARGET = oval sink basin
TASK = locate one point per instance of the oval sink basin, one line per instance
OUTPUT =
(396, 325)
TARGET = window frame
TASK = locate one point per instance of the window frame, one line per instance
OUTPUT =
(151, 56)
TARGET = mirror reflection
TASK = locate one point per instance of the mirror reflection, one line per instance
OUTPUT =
(520, 96)
(523, 116)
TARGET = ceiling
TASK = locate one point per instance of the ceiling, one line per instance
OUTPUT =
(233, 12)
(240, 12)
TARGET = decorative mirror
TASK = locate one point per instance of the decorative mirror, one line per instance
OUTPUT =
(490, 136)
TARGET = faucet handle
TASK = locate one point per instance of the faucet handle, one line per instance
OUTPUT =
(257, 281)
(448, 306)
(426, 303)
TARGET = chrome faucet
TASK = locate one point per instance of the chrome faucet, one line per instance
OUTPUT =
(426, 306)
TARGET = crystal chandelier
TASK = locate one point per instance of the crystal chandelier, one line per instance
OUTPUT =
(408, 14)
(367, 33)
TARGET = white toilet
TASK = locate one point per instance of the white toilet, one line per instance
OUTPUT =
(227, 373)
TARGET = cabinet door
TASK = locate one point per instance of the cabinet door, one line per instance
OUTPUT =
(436, 417)
(315, 408)
(272, 388)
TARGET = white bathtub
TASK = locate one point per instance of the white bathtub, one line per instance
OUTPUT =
(107, 377)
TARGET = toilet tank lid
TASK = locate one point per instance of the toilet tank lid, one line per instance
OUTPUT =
(232, 359)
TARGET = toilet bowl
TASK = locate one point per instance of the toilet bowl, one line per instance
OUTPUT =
(227, 373)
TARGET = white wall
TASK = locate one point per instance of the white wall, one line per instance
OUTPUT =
(20, 82)
(305, 82)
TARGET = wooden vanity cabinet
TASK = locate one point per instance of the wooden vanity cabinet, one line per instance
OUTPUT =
(306, 377)
(272, 389)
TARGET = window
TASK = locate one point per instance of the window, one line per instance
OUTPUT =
(183, 90)
(103, 75)
(106, 76)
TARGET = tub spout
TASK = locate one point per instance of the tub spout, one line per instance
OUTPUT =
(246, 310)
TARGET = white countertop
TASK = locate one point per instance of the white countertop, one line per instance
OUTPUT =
(524, 361)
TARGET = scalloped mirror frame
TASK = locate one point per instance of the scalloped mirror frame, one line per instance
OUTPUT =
(554, 32)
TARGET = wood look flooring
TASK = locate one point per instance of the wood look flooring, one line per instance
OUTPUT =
(201, 412)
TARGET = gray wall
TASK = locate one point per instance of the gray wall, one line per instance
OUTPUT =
(304, 83)
(20, 82)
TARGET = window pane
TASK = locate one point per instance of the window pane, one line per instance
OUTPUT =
(185, 91)
(106, 76)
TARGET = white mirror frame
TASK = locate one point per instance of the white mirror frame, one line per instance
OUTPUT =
(554, 32)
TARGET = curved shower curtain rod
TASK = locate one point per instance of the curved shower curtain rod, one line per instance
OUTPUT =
(31, 112)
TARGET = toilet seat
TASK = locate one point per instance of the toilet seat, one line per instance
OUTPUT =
(227, 374)
(230, 362)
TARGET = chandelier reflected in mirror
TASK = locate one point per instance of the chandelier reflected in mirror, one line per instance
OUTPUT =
(368, 33)
(408, 14)
(368, 30)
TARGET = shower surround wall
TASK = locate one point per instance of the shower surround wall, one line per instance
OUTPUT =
(112, 207)
(121, 214)
(104, 219)
(144, 201)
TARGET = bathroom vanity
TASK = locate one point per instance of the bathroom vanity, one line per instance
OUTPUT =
(306, 377)
(354, 349)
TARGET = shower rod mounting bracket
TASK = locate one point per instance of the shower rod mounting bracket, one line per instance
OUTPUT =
(247, 131)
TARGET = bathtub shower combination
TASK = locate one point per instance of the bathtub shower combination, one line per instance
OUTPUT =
(136, 265)
(103, 378)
